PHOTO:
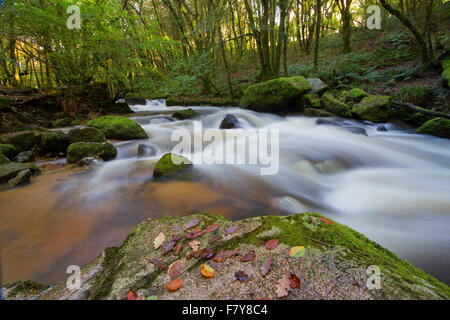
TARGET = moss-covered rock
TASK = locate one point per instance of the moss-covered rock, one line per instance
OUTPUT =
(313, 112)
(4, 159)
(85, 135)
(354, 95)
(12, 169)
(184, 114)
(333, 256)
(310, 100)
(8, 150)
(118, 108)
(4, 102)
(21, 141)
(446, 71)
(275, 95)
(317, 86)
(121, 128)
(23, 290)
(24, 157)
(373, 108)
(333, 105)
(54, 141)
(61, 123)
(22, 178)
(170, 164)
(437, 126)
(80, 150)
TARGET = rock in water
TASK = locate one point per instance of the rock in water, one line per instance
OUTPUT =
(80, 150)
(4, 159)
(170, 164)
(121, 128)
(24, 157)
(275, 95)
(22, 178)
(438, 127)
(8, 150)
(184, 114)
(229, 122)
(146, 150)
(382, 129)
(61, 123)
(12, 169)
(333, 105)
(318, 86)
(21, 141)
(374, 108)
(85, 135)
(54, 141)
(90, 161)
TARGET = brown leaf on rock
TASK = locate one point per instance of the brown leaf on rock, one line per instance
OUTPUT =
(232, 229)
(195, 234)
(212, 228)
(161, 265)
(169, 247)
(131, 295)
(214, 239)
(295, 281)
(267, 266)
(178, 248)
(203, 253)
(272, 244)
(222, 255)
(175, 269)
(249, 256)
(176, 239)
(191, 224)
(176, 228)
(241, 276)
(175, 284)
(194, 245)
(283, 286)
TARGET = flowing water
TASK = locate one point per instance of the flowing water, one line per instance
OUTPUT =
(393, 187)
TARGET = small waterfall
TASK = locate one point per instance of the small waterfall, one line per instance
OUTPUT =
(151, 105)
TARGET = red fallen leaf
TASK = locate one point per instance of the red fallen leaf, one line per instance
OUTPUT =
(131, 295)
(207, 253)
(161, 265)
(195, 234)
(232, 229)
(267, 266)
(272, 244)
(175, 284)
(216, 238)
(178, 248)
(327, 221)
(175, 269)
(241, 276)
(175, 239)
(212, 228)
(248, 256)
(191, 224)
(222, 255)
(295, 281)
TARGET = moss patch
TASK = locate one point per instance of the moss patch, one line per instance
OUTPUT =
(170, 164)
(8, 150)
(333, 105)
(21, 141)
(121, 128)
(437, 126)
(80, 150)
(184, 114)
(54, 141)
(85, 135)
(374, 108)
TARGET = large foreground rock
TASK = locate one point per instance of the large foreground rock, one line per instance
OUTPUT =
(374, 108)
(54, 141)
(275, 95)
(437, 126)
(333, 263)
(121, 128)
(12, 169)
(21, 141)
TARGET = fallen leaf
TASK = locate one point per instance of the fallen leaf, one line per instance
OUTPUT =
(176, 239)
(161, 265)
(159, 240)
(222, 255)
(212, 228)
(248, 256)
(152, 298)
(194, 245)
(295, 281)
(207, 271)
(267, 266)
(207, 253)
(191, 224)
(175, 284)
(176, 228)
(169, 247)
(214, 239)
(232, 229)
(283, 286)
(272, 244)
(195, 234)
(131, 295)
(175, 269)
(297, 252)
(178, 248)
(326, 221)
(241, 276)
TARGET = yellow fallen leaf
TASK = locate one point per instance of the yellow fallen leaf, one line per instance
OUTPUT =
(159, 240)
(207, 271)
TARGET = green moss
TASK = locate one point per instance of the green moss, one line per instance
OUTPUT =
(8, 150)
(4, 159)
(184, 114)
(416, 94)
(121, 128)
(352, 96)
(101, 288)
(170, 164)
(85, 135)
(437, 126)
(312, 112)
(446, 72)
(54, 141)
(4, 102)
(61, 123)
(374, 108)
(21, 141)
(275, 95)
(80, 150)
(333, 105)
(310, 100)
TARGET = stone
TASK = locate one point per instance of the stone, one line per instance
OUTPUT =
(116, 127)
(21, 141)
(8, 150)
(54, 142)
(373, 108)
(146, 150)
(80, 150)
(229, 122)
(318, 86)
(12, 169)
(22, 178)
(438, 127)
(184, 114)
(85, 135)
(24, 157)
(170, 164)
(333, 105)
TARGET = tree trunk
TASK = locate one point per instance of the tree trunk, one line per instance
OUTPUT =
(316, 45)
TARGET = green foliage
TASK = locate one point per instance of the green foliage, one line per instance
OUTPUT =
(416, 94)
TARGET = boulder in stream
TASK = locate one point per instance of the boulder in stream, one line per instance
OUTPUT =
(21, 141)
(229, 122)
(146, 150)
(373, 108)
(54, 142)
(438, 127)
(24, 157)
(8, 150)
(321, 252)
(116, 127)
(318, 86)
(184, 114)
(22, 178)
(333, 105)
(85, 135)
(80, 150)
(170, 164)
(12, 169)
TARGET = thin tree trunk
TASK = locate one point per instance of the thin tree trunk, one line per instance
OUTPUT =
(316, 45)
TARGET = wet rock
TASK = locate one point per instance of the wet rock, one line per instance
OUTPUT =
(85, 135)
(21, 141)
(373, 108)
(22, 178)
(136, 101)
(184, 114)
(333, 105)
(146, 150)
(438, 127)
(54, 142)
(24, 157)
(62, 123)
(310, 100)
(116, 127)
(12, 169)
(357, 130)
(275, 95)
(80, 150)
(382, 129)
(4, 159)
(23, 290)
(8, 150)
(313, 112)
(229, 122)
(318, 86)
(170, 164)
(354, 95)
(327, 122)
(90, 161)
(118, 108)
